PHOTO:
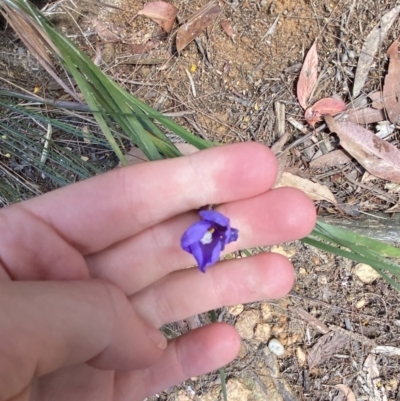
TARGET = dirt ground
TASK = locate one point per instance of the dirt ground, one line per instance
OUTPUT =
(335, 316)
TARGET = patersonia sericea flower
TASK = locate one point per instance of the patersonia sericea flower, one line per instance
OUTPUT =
(207, 238)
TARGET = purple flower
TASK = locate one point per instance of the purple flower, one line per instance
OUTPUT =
(207, 238)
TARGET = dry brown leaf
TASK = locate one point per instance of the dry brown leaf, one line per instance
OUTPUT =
(373, 383)
(391, 88)
(346, 391)
(365, 116)
(327, 346)
(331, 159)
(162, 13)
(325, 106)
(314, 190)
(376, 155)
(276, 148)
(377, 101)
(37, 42)
(196, 24)
(371, 46)
(312, 320)
(108, 34)
(308, 76)
(139, 48)
(227, 27)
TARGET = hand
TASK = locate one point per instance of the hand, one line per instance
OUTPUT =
(88, 274)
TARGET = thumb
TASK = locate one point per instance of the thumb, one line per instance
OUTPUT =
(47, 325)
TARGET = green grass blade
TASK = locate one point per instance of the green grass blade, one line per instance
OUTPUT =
(379, 265)
(350, 237)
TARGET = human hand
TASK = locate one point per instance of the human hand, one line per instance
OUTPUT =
(88, 273)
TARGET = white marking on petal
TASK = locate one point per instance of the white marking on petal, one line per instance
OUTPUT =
(207, 238)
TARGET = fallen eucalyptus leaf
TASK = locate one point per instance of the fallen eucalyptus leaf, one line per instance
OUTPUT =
(328, 345)
(377, 101)
(331, 159)
(371, 45)
(196, 24)
(325, 106)
(308, 76)
(227, 27)
(346, 391)
(365, 116)
(107, 32)
(376, 155)
(164, 14)
(391, 88)
(313, 190)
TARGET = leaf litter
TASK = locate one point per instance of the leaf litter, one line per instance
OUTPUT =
(371, 45)
(292, 156)
(325, 106)
(376, 155)
(391, 88)
(196, 24)
(164, 14)
(308, 76)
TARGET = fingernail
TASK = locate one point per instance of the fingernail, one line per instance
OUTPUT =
(158, 339)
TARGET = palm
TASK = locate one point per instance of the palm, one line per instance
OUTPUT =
(122, 230)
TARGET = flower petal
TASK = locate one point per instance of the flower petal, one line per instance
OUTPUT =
(194, 234)
(206, 255)
(234, 235)
(215, 217)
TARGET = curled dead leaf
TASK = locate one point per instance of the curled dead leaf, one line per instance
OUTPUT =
(162, 13)
(313, 190)
(196, 24)
(325, 106)
(308, 76)
(376, 155)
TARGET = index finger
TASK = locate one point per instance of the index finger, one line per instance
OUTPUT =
(101, 211)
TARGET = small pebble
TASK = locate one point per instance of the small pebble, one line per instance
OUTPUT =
(276, 347)
(351, 54)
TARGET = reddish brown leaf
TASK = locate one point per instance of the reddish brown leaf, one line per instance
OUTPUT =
(308, 76)
(365, 116)
(376, 155)
(325, 106)
(227, 27)
(196, 24)
(391, 88)
(162, 13)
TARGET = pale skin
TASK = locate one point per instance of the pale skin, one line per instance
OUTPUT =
(89, 273)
